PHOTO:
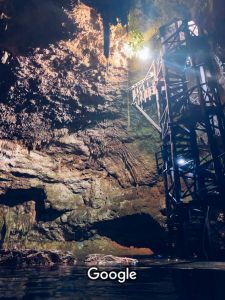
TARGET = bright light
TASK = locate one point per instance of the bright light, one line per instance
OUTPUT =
(144, 53)
(181, 162)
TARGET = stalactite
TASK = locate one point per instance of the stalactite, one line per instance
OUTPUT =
(111, 11)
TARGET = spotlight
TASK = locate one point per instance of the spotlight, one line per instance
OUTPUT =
(144, 53)
(181, 162)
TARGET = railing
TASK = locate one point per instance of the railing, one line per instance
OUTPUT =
(143, 91)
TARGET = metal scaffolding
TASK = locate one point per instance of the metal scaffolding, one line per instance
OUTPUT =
(191, 123)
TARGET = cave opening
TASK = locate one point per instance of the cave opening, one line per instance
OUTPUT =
(15, 197)
(138, 230)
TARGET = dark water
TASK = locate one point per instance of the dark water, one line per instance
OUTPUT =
(155, 280)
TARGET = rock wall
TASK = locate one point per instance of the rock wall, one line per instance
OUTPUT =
(71, 176)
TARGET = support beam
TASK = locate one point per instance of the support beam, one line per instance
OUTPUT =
(148, 118)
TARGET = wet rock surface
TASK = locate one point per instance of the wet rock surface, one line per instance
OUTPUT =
(109, 260)
(26, 258)
(68, 164)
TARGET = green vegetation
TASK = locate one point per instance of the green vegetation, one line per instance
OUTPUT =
(135, 39)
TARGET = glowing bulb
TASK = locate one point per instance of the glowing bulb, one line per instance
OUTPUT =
(181, 162)
(144, 53)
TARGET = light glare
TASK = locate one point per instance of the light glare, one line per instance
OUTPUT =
(144, 53)
(181, 162)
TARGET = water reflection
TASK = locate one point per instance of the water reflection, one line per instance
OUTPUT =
(155, 281)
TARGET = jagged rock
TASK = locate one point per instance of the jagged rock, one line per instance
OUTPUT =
(68, 164)
(109, 260)
(27, 258)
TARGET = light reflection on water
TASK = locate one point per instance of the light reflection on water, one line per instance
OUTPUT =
(156, 281)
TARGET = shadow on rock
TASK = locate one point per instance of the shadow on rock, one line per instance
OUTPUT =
(139, 230)
(28, 21)
(19, 196)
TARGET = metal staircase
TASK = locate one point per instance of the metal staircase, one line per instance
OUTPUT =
(143, 91)
(191, 124)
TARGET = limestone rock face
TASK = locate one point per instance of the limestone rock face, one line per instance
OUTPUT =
(68, 85)
(69, 170)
